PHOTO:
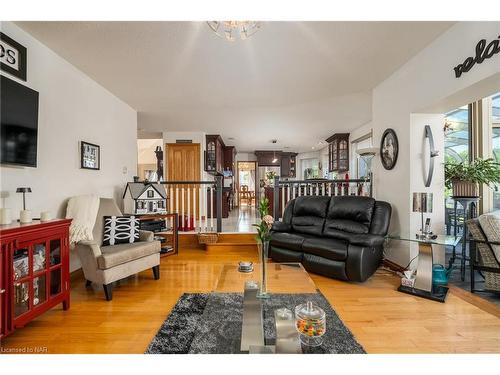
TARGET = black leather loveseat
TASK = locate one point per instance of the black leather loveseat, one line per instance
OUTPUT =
(340, 237)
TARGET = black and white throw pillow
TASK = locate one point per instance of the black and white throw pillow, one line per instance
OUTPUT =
(120, 229)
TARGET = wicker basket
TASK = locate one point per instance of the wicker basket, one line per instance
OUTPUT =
(208, 238)
(465, 189)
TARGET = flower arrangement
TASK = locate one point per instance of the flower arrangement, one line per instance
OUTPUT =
(270, 175)
(264, 227)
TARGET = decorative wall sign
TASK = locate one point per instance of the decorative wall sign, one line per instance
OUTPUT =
(432, 154)
(483, 52)
(90, 156)
(13, 57)
(389, 149)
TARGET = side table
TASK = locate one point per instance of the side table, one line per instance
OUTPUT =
(423, 281)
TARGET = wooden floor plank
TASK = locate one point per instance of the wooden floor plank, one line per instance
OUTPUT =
(382, 319)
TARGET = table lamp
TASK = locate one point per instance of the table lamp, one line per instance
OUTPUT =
(422, 202)
(23, 190)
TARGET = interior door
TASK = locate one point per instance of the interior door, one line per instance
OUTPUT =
(183, 164)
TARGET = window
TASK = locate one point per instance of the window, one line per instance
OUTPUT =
(310, 167)
(495, 142)
(359, 169)
(457, 135)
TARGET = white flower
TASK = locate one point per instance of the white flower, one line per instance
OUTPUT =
(268, 219)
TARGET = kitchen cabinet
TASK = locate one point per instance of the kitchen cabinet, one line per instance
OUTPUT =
(338, 152)
(214, 154)
(288, 164)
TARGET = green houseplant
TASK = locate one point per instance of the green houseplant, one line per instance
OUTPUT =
(464, 178)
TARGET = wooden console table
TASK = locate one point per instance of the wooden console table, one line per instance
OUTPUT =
(34, 271)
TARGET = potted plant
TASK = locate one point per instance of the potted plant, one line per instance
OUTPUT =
(464, 178)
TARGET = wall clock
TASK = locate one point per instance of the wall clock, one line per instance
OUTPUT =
(389, 149)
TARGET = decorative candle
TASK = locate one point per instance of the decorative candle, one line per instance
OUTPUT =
(45, 216)
(5, 216)
(25, 216)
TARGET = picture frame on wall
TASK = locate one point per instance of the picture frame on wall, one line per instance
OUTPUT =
(90, 156)
(389, 149)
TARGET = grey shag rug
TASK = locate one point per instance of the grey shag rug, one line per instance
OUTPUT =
(210, 323)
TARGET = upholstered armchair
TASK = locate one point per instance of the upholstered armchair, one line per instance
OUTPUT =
(107, 264)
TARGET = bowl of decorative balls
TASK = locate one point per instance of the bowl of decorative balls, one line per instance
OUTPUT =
(310, 322)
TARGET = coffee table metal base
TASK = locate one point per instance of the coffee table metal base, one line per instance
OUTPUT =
(438, 292)
(252, 330)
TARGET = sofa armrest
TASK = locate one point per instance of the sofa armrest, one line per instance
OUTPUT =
(146, 236)
(366, 240)
(279, 226)
(88, 248)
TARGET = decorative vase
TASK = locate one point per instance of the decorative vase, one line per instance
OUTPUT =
(263, 251)
(465, 189)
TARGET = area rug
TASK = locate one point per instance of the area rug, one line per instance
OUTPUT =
(210, 323)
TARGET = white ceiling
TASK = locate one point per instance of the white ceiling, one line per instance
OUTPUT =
(298, 82)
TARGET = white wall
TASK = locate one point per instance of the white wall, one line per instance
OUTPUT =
(72, 108)
(146, 150)
(424, 82)
(246, 156)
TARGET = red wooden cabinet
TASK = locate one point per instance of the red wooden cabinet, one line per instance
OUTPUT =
(34, 270)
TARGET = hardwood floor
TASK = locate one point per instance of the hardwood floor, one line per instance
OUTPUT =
(382, 319)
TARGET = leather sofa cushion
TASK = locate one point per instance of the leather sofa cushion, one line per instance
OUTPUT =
(287, 240)
(349, 226)
(326, 248)
(281, 255)
(311, 206)
(381, 218)
(359, 209)
(308, 225)
(123, 253)
(280, 226)
(309, 213)
(325, 267)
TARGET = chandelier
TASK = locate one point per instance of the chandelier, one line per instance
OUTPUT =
(232, 29)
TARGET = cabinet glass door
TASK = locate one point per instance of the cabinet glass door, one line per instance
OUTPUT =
(21, 298)
(39, 290)
(55, 281)
(55, 252)
(39, 254)
(20, 263)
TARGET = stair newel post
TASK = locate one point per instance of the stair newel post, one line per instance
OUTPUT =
(276, 196)
(218, 186)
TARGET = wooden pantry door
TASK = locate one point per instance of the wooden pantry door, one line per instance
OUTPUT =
(183, 164)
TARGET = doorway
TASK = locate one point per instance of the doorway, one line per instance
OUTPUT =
(247, 183)
(183, 164)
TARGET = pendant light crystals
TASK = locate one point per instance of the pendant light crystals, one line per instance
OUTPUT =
(231, 30)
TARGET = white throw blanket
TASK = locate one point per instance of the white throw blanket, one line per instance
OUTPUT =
(83, 210)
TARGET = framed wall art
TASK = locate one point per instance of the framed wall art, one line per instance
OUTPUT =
(90, 156)
(389, 149)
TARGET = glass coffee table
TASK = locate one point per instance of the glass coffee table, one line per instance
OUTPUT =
(423, 286)
(282, 278)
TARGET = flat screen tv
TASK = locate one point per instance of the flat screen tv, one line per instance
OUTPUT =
(19, 123)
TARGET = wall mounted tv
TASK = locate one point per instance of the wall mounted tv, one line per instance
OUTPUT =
(19, 123)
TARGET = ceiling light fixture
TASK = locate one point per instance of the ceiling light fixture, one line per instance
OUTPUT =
(275, 159)
(230, 30)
